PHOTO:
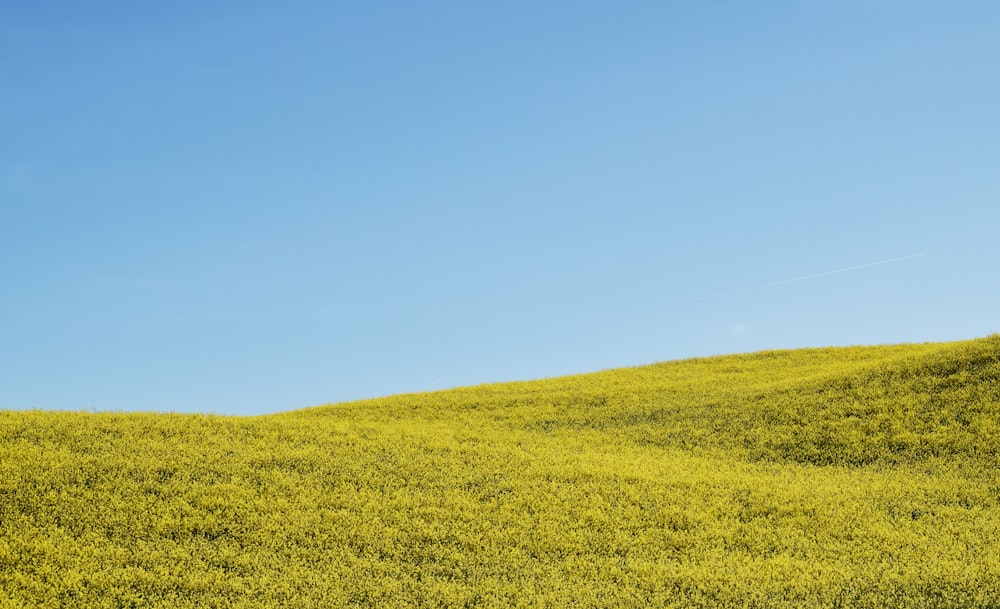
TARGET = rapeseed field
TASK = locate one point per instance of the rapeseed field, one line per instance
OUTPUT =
(839, 477)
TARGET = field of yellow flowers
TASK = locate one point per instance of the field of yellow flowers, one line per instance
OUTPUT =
(840, 477)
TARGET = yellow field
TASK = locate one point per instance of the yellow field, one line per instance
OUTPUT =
(842, 477)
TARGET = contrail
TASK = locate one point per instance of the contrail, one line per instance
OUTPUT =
(805, 278)
(435, 382)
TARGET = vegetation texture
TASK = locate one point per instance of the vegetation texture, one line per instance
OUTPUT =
(842, 477)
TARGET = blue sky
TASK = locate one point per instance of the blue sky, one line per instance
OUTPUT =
(250, 207)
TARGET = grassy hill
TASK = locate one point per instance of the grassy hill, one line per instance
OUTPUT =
(840, 477)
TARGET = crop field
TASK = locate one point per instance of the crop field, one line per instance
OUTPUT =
(838, 477)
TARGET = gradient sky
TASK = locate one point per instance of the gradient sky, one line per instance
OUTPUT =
(251, 207)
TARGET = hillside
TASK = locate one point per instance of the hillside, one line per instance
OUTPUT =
(839, 477)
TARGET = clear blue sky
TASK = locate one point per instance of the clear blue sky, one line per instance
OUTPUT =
(251, 207)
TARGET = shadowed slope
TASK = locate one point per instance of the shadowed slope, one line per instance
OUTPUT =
(851, 405)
